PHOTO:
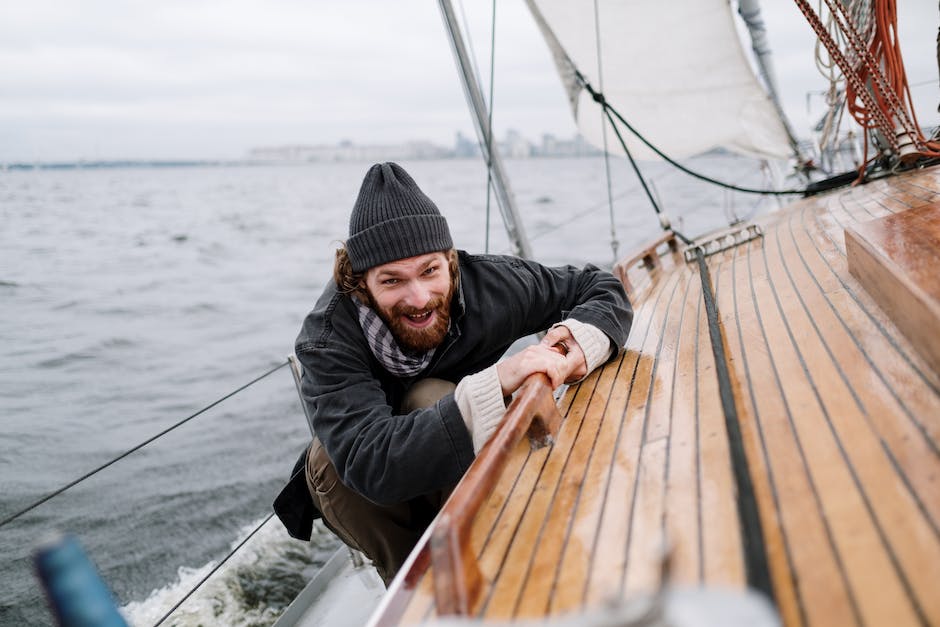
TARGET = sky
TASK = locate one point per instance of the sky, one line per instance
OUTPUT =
(212, 79)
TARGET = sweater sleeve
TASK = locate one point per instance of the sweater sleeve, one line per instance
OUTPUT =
(594, 343)
(480, 399)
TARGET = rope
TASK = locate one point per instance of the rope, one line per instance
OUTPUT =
(72, 484)
(636, 169)
(877, 93)
(752, 536)
(213, 571)
(599, 98)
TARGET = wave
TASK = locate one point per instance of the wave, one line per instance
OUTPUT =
(251, 590)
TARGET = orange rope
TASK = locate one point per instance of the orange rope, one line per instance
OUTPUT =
(878, 95)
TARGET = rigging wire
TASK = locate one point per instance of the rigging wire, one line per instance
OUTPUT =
(213, 571)
(72, 484)
(663, 220)
(487, 142)
(489, 129)
(601, 100)
(614, 244)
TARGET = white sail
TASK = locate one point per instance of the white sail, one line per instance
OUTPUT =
(676, 71)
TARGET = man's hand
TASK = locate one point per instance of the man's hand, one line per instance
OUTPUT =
(537, 358)
(560, 339)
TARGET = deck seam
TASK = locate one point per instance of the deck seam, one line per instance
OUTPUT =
(643, 442)
(577, 500)
(881, 328)
(600, 519)
(799, 446)
(664, 516)
(889, 453)
(698, 447)
(551, 502)
(484, 605)
(772, 483)
(889, 549)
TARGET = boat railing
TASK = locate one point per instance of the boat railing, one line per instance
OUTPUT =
(457, 577)
(649, 256)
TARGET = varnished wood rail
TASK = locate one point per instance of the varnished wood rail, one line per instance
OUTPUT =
(649, 255)
(457, 576)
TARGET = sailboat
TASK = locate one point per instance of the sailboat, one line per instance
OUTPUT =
(768, 439)
(805, 473)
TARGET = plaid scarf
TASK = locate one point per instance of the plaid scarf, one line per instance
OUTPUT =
(398, 361)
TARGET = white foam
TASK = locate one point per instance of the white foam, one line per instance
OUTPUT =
(221, 599)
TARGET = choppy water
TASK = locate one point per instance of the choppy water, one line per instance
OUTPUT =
(130, 298)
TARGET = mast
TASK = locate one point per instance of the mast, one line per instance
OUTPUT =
(474, 95)
(750, 12)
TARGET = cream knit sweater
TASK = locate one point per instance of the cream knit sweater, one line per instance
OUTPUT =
(480, 397)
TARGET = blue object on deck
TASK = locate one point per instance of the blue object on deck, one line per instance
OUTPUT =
(77, 594)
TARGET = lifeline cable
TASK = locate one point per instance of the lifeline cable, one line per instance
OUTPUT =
(72, 484)
(752, 536)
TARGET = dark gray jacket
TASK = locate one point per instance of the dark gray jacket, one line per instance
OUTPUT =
(390, 457)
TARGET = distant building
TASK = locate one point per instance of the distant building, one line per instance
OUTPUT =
(348, 151)
(465, 147)
(514, 146)
(574, 147)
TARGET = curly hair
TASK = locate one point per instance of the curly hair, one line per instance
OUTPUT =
(354, 283)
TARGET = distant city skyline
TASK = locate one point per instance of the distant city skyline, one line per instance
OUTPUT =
(512, 145)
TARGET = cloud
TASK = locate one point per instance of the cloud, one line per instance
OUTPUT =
(206, 78)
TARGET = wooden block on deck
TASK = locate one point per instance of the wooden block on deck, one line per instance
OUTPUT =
(897, 260)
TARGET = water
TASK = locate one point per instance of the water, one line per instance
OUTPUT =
(130, 298)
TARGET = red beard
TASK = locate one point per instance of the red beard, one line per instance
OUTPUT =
(418, 340)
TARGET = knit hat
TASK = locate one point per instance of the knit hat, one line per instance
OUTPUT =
(393, 219)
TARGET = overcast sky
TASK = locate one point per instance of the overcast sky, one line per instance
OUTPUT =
(109, 79)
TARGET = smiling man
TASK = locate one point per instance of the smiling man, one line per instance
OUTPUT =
(403, 368)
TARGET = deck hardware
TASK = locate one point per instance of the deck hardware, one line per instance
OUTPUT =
(722, 242)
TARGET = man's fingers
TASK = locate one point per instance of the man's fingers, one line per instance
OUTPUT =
(553, 335)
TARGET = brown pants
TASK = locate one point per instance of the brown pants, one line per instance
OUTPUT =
(385, 535)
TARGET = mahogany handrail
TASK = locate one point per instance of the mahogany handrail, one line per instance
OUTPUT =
(648, 255)
(457, 577)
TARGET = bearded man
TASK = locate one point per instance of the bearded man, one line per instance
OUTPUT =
(402, 369)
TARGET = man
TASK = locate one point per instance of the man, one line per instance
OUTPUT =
(401, 369)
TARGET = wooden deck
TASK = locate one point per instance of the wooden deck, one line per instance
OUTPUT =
(840, 419)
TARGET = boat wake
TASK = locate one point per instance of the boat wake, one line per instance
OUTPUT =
(250, 590)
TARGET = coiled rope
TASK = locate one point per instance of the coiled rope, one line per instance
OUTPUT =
(877, 93)
(91, 473)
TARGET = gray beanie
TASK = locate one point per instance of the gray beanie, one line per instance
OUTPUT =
(393, 219)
